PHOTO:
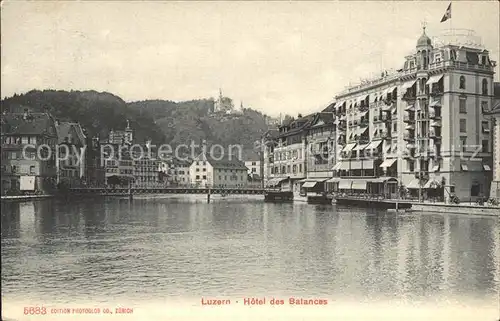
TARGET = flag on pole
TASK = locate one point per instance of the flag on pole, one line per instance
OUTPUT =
(447, 14)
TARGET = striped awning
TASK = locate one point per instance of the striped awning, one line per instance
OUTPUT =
(336, 167)
(388, 163)
(359, 184)
(414, 184)
(348, 147)
(374, 144)
(345, 184)
(408, 85)
(434, 79)
(274, 182)
(432, 183)
(309, 184)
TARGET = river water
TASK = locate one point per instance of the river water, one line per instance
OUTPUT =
(159, 257)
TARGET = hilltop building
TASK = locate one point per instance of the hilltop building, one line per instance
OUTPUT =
(121, 136)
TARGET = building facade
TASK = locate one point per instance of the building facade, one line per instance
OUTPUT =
(424, 126)
(146, 164)
(495, 114)
(27, 167)
(71, 147)
(320, 152)
(211, 171)
(289, 165)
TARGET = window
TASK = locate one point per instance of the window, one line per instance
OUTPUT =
(204, 176)
(254, 163)
(14, 169)
(197, 169)
(197, 176)
(462, 106)
(463, 141)
(485, 87)
(485, 125)
(24, 140)
(463, 125)
(254, 170)
(475, 189)
(462, 82)
(204, 169)
(485, 146)
(300, 168)
(484, 106)
(411, 166)
(395, 127)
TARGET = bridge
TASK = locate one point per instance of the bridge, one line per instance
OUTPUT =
(124, 191)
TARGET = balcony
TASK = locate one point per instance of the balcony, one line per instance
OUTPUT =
(436, 123)
(422, 175)
(409, 97)
(434, 115)
(436, 92)
(408, 154)
(364, 122)
(422, 116)
(385, 117)
(408, 136)
(408, 118)
(384, 135)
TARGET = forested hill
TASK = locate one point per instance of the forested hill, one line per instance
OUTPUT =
(162, 121)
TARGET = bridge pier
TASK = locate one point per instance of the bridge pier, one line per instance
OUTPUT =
(208, 196)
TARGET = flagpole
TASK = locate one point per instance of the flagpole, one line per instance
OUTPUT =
(451, 23)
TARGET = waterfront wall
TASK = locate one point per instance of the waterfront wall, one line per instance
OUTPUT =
(457, 209)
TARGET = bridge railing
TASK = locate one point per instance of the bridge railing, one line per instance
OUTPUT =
(187, 186)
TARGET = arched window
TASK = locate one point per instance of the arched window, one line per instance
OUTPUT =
(462, 82)
(485, 87)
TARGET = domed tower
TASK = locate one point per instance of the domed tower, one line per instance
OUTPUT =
(424, 47)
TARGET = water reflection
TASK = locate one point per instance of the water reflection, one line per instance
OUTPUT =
(144, 248)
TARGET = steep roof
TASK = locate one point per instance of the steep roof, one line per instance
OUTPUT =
(223, 161)
(299, 125)
(68, 130)
(30, 124)
(250, 156)
(226, 162)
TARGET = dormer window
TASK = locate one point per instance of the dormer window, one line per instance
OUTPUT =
(437, 57)
(412, 64)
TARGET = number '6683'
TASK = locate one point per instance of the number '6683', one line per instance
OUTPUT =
(35, 310)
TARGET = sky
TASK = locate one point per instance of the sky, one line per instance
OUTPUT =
(276, 57)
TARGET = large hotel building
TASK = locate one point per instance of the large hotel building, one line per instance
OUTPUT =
(423, 130)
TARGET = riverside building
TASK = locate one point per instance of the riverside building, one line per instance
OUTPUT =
(289, 167)
(35, 171)
(320, 152)
(422, 130)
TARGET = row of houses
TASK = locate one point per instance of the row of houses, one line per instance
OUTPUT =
(425, 131)
(41, 154)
